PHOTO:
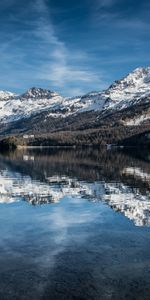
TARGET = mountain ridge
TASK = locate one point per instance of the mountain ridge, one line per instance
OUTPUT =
(124, 106)
(121, 94)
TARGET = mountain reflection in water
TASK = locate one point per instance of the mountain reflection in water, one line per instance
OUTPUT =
(120, 180)
(74, 225)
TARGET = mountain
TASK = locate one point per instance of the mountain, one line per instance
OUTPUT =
(126, 103)
(23, 106)
(131, 89)
(5, 95)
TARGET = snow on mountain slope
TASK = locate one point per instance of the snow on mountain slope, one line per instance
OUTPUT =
(36, 100)
(5, 95)
(133, 86)
(131, 90)
(138, 120)
(33, 101)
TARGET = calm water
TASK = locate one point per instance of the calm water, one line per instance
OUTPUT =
(75, 225)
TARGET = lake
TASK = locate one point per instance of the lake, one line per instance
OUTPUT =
(75, 224)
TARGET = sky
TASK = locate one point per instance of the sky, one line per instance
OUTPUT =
(71, 46)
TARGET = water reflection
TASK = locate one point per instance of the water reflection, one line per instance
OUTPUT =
(121, 181)
(67, 222)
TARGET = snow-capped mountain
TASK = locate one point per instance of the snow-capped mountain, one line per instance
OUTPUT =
(5, 95)
(33, 101)
(132, 90)
(129, 89)
(122, 93)
(125, 103)
(38, 93)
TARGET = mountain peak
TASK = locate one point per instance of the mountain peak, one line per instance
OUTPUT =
(140, 70)
(5, 95)
(137, 79)
(141, 73)
(38, 93)
(130, 90)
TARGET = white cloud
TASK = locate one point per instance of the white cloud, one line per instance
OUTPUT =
(39, 54)
(104, 15)
(63, 66)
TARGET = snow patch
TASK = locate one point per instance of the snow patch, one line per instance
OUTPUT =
(138, 120)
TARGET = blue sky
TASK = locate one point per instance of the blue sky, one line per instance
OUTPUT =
(72, 47)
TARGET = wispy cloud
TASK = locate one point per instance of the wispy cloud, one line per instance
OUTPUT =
(64, 65)
(105, 3)
(40, 54)
(110, 13)
(37, 49)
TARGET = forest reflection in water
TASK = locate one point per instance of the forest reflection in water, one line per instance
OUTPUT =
(74, 224)
(47, 176)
